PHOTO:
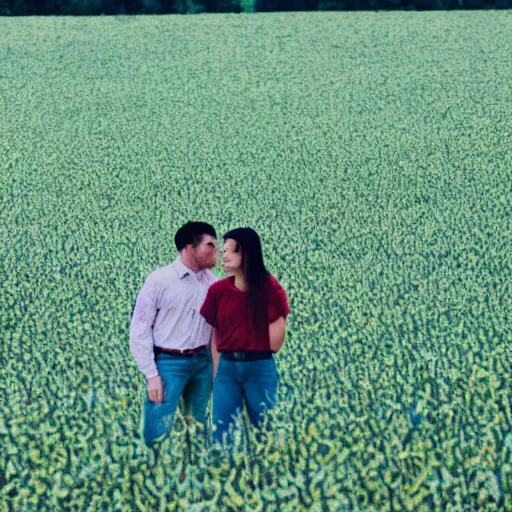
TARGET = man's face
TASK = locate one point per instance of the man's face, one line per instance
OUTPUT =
(205, 253)
(231, 260)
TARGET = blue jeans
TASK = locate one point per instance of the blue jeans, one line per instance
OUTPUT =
(187, 376)
(237, 382)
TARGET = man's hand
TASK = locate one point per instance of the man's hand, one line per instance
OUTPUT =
(155, 390)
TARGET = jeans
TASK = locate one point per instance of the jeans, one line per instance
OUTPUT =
(237, 382)
(186, 376)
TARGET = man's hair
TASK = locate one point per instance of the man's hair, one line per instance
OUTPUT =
(192, 233)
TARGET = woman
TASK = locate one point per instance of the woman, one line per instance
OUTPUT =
(247, 311)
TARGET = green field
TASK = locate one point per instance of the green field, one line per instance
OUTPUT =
(373, 154)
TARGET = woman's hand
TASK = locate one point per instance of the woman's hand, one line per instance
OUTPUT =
(276, 333)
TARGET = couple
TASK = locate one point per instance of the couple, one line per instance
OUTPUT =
(188, 326)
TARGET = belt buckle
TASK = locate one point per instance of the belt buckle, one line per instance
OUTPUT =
(238, 356)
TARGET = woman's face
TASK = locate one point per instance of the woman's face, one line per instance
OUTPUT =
(231, 260)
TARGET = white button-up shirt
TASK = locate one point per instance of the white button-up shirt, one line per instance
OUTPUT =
(166, 313)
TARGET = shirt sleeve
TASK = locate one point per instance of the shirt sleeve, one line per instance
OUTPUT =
(141, 328)
(209, 308)
(277, 303)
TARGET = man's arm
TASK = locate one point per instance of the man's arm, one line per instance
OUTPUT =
(141, 338)
(277, 333)
(215, 352)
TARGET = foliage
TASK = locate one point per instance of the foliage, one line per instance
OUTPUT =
(372, 152)
(122, 7)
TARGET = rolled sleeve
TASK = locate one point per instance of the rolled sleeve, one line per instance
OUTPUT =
(141, 329)
(209, 308)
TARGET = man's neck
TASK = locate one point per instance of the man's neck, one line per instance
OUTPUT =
(190, 264)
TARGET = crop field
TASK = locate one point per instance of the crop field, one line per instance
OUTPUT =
(372, 152)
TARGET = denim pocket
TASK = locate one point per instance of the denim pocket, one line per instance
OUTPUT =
(263, 367)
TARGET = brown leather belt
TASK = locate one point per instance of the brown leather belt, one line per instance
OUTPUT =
(186, 352)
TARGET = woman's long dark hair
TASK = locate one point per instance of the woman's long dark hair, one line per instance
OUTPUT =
(254, 270)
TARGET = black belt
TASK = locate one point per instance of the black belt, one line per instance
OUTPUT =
(248, 355)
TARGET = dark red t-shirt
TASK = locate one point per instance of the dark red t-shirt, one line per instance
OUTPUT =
(226, 309)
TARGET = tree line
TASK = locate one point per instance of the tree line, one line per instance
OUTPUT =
(119, 7)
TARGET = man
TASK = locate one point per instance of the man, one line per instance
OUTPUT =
(169, 339)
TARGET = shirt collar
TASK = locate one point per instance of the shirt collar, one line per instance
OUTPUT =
(183, 270)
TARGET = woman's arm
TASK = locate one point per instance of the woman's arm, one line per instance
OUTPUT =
(276, 333)
(215, 353)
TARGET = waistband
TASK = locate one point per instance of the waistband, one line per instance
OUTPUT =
(248, 355)
(186, 352)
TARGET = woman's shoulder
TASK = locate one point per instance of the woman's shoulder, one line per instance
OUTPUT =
(272, 283)
(220, 284)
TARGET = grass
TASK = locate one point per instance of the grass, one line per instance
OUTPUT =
(371, 151)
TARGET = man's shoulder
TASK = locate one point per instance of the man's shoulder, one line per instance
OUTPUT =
(162, 274)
